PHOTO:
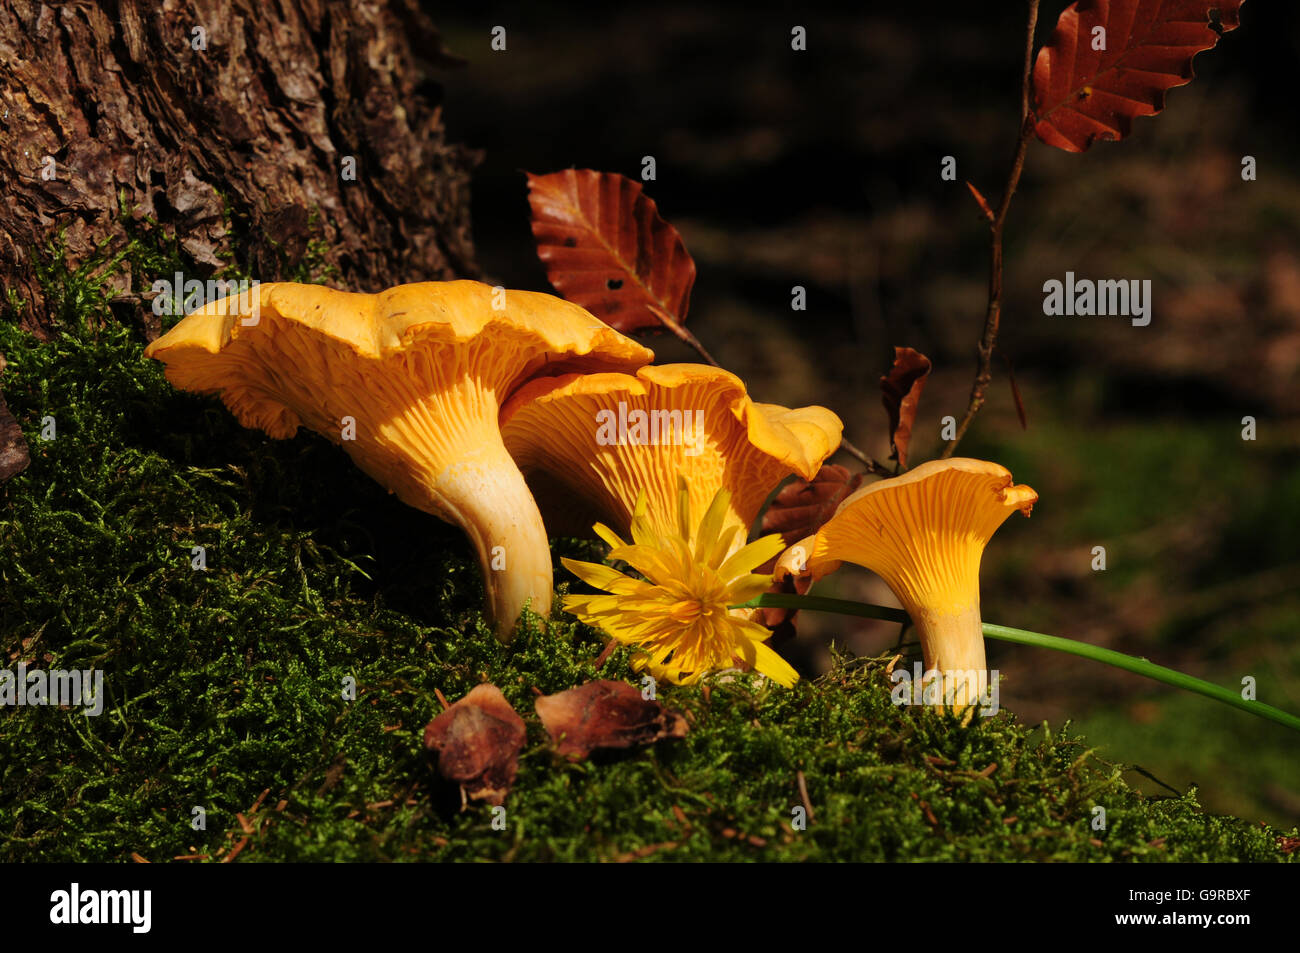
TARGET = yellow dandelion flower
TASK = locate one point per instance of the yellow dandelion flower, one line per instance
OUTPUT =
(678, 614)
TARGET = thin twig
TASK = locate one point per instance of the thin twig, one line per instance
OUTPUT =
(984, 372)
(605, 653)
(684, 335)
(872, 465)
(803, 794)
(243, 842)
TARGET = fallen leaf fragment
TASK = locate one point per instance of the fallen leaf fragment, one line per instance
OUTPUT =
(801, 507)
(605, 714)
(478, 740)
(901, 393)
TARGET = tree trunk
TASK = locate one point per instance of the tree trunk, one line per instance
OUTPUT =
(245, 129)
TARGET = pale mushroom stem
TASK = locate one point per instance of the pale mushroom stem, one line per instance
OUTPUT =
(485, 494)
(953, 646)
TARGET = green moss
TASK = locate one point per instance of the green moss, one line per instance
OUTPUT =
(224, 683)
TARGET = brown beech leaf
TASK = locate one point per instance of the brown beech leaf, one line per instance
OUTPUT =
(605, 714)
(606, 248)
(801, 507)
(1082, 93)
(901, 392)
(478, 740)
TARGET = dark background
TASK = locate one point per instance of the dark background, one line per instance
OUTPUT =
(821, 168)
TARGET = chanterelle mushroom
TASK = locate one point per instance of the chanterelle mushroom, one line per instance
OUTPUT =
(924, 533)
(410, 382)
(591, 444)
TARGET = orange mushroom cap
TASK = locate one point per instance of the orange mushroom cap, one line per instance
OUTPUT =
(421, 370)
(590, 444)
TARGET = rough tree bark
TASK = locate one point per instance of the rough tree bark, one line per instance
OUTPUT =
(229, 123)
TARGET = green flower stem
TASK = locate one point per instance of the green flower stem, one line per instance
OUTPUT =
(1129, 663)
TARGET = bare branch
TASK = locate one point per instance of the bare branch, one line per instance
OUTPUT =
(993, 316)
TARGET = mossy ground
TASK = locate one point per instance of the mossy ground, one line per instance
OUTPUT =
(226, 683)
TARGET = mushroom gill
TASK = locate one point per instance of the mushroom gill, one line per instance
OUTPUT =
(590, 445)
(409, 382)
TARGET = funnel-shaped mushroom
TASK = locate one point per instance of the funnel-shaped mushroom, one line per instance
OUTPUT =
(590, 445)
(409, 382)
(924, 534)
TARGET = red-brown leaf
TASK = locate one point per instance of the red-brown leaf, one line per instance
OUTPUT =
(605, 714)
(802, 507)
(901, 392)
(606, 248)
(1082, 94)
(478, 740)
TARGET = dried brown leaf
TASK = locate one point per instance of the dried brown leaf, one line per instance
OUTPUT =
(801, 507)
(605, 714)
(478, 740)
(606, 248)
(1082, 94)
(901, 393)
